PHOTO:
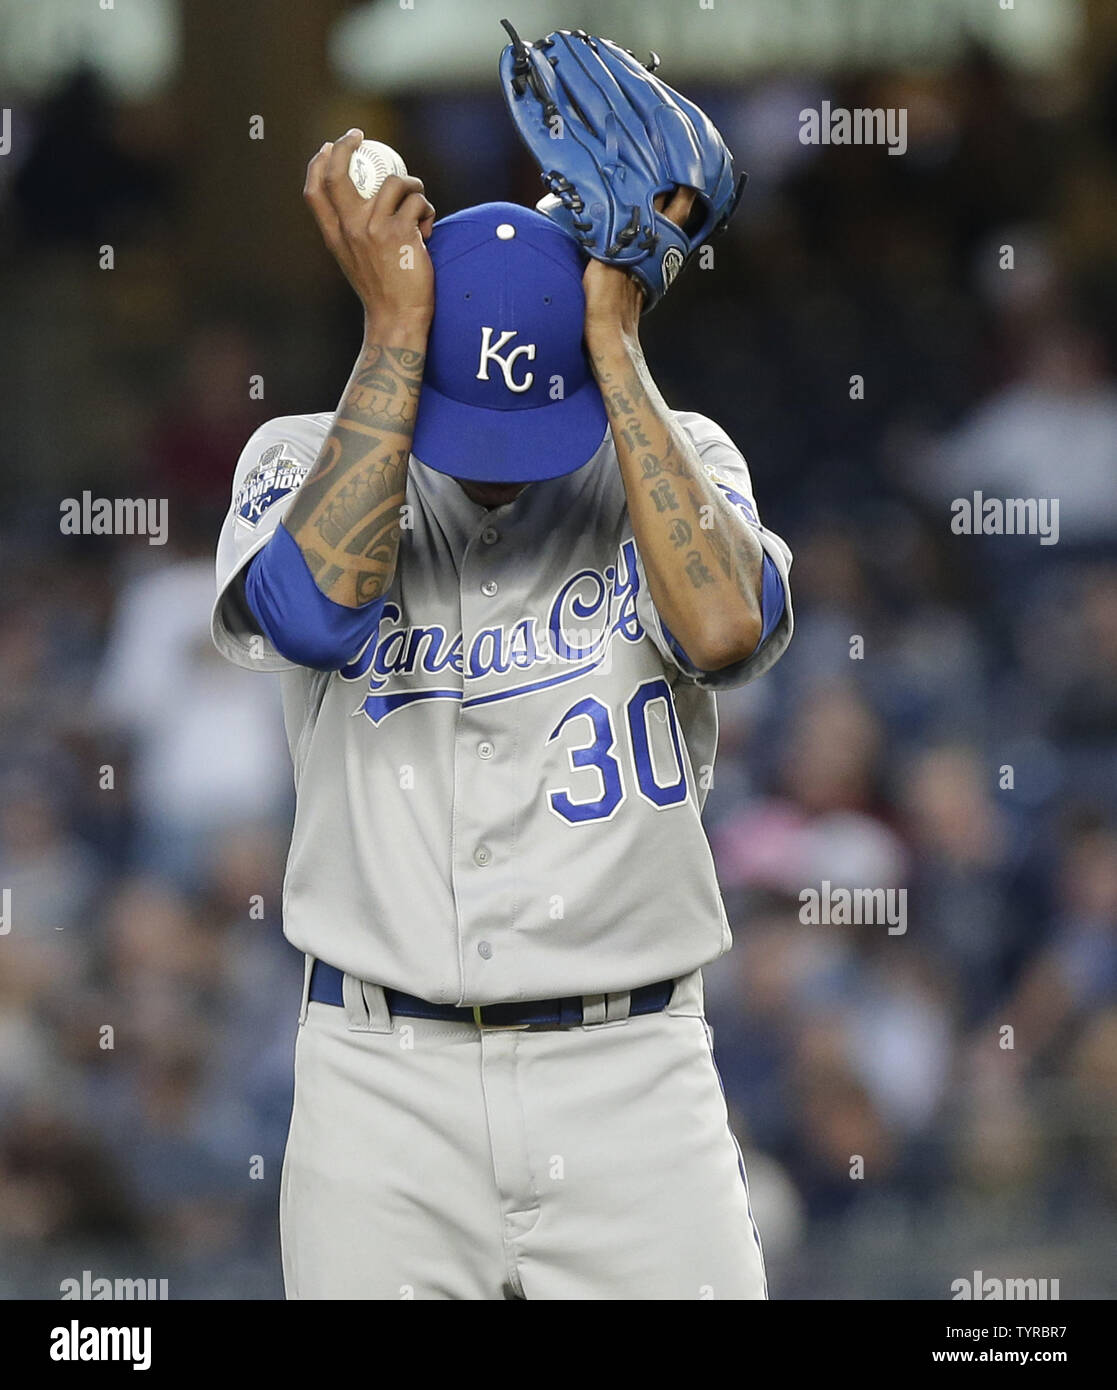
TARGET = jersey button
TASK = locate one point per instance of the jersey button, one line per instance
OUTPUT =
(484, 950)
(490, 535)
(489, 588)
(485, 750)
(482, 855)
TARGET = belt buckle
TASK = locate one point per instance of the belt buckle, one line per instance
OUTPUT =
(495, 1027)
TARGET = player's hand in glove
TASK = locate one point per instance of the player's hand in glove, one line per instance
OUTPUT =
(369, 237)
(614, 297)
(611, 139)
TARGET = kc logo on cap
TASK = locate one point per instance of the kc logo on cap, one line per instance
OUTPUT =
(490, 352)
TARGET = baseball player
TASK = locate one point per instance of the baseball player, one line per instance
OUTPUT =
(502, 583)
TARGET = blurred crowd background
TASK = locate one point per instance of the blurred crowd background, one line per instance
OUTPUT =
(970, 754)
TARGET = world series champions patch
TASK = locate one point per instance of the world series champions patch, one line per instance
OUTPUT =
(274, 476)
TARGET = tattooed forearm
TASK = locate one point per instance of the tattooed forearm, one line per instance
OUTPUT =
(351, 514)
(702, 559)
(384, 394)
(733, 552)
(346, 515)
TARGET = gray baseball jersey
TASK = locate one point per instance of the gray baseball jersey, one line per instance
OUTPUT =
(499, 797)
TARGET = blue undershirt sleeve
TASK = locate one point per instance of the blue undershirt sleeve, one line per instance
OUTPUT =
(772, 600)
(301, 623)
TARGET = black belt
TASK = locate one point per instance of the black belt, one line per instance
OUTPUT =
(326, 988)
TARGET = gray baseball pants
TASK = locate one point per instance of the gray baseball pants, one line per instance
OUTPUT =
(441, 1161)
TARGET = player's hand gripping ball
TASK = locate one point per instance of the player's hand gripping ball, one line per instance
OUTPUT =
(370, 165)
(366, 235)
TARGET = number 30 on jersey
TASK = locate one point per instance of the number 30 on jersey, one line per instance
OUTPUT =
(600, 783)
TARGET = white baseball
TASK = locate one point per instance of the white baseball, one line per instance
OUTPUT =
(371, 163)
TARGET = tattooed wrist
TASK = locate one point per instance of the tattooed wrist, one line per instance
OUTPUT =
(399, 330)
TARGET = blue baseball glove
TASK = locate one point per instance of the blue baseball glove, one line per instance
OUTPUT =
(609, 136)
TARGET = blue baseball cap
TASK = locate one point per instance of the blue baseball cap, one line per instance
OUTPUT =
(508, 395)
